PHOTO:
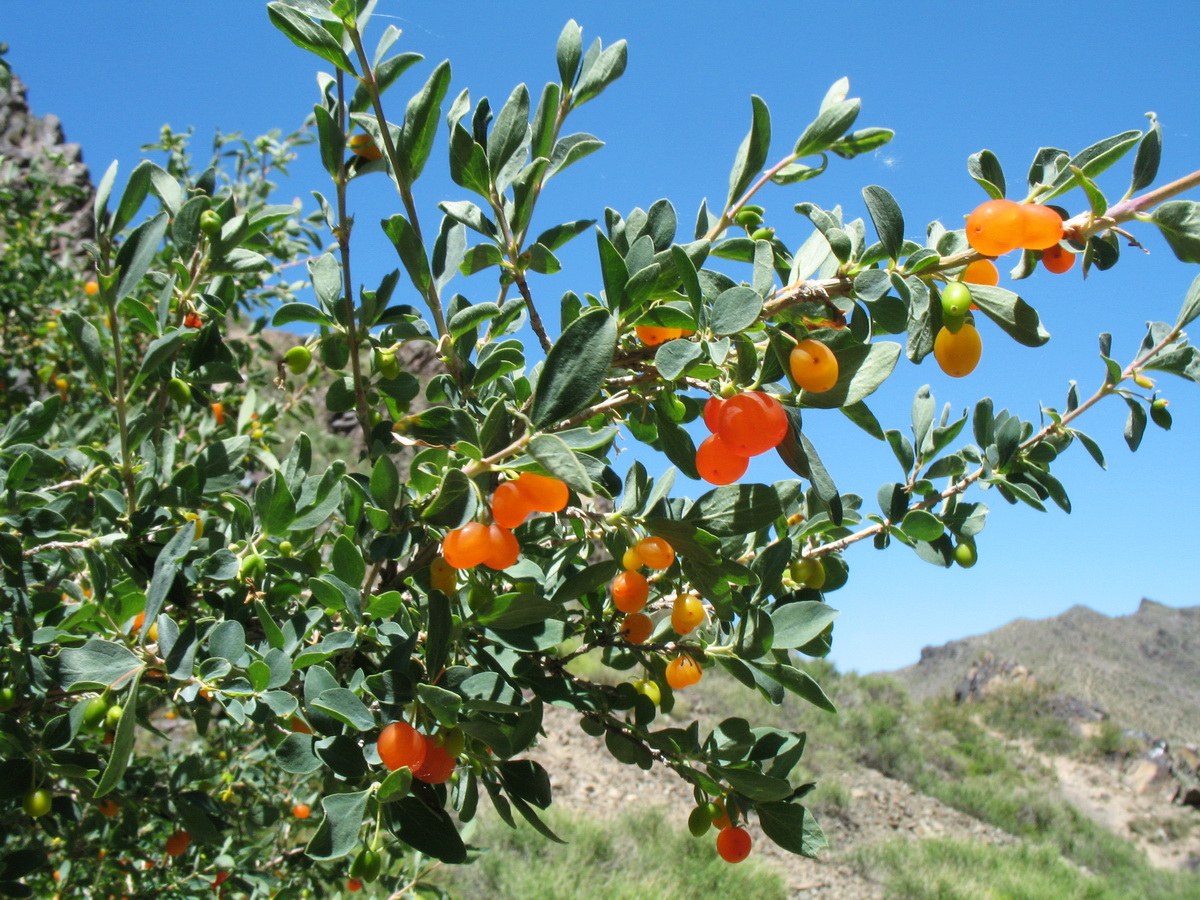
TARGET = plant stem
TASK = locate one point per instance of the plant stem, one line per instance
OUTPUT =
(120, 402)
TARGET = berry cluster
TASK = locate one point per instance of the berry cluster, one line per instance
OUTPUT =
(998, 226)
(957, 347)
(742, 426)
(430, 759)
(733, 842)
(495, 545)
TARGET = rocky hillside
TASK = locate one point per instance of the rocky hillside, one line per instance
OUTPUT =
(1140, 669)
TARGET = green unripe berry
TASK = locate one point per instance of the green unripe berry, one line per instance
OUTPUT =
(389, 367)
(113, 717)
(8, 699)
(763, 234)
(699, 821)
(956, 301)
(253, 568)
(454, 741)
(210, 222)
(749, 217)
(37, 803)
(366, 866)
(649, 689)
(297, 359)
(808, 572)
(179, 391)
(285, 548)
(965, 555)
(94, 712)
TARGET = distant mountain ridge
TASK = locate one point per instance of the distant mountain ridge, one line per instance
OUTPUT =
(1143, 668)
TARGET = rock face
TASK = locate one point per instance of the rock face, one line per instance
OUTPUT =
(27, 140)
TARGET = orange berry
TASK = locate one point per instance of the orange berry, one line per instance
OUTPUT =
(636, 628)
(218, 409)
(467, 547)
(91, 288)
(752, 423)
(543, 493)
(716, 463)
(813, 365)
(108, 807)
(503, 549)
(651, 336)
(733, 844)
(720, 816)
(982, 271)
(364, 146)
(301, 810)
(631, 559)
(437, 766)
(178, 843)
(683, 671)
(655, 552)
(191, 320)
(686, 613)
(510, 507)
(958, 352)
(442, 576)
(712, 411)
(630, 590)
(1057, 259)
(354, 885)
(402, 745)
(137, 622)
(996, 226)
(1043, 227)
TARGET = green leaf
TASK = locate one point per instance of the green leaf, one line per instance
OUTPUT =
(752, 784)
(561, 462)
(612, 271)
(605, 68)
(861, 141)
(295, 755)
(87, 339)
(575, 368)
(984, 167)
(427, 829)
(122, 746)
(348, 564)
(299, 312)
(97, 665)
(420, 123)
(137, 253)
(1149, 152)
(1179, 222)
(921, 525)
(412, 252)
(799, 454)
(1093, 160)
(1191, 304)
(734, 310)
(798, 623)
(456, 501)
(752, 154)
(301, 31)
(338, 833)
(511, 130)
(514, 610)
(792, 827)
(833, 122)
(887, 217)
(735, 509)
(675, 357)
(568, 52)
(798, 682)
(1018, 319)
(345, 706)
(861, 369)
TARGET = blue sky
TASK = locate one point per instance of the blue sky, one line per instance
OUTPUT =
(1010, 77)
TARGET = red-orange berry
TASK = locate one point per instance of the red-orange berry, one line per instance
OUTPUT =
(1057, 259)
(191, 320)
(467, 547)
(686, 613)
(299, 726)
(958, 352)
(814, 367)
(178, 843)
(108, 807)
(733, 844)
(510, 507)
(982, 271)
(91, 288)
(301, 810)
(438, 765)
(630, 590)
(752, 423)
(218, 411)
(717, 464)
(996, 227)
(354, 885)
(503, 549)
(402, 745)
(712, 410)
(652, 336)
(655, 552)
(542, 492)
(683, 671)
(1043, 227)
(636, 628)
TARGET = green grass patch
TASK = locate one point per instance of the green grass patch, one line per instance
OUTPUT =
(633, 856)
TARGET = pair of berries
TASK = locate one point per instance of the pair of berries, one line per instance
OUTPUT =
(957, 347)
(476, 543)
(630, 589)
(997, 226)
(652, 336)
(429, 759)
(742, 426)
(513, 501)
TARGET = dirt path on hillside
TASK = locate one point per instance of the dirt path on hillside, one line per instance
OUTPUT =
(586, 779)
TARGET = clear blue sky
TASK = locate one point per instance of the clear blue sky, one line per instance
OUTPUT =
(949, 78)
